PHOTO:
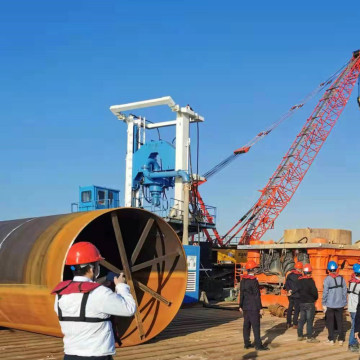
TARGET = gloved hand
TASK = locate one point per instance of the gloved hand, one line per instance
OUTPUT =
(324, 309)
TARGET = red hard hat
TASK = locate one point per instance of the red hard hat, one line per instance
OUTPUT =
(307, 268)
(299, 265)
(251, 264)
(83, 253)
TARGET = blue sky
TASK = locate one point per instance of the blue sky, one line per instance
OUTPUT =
(241, 65)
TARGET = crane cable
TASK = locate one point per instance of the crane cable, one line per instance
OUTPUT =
(266, 132)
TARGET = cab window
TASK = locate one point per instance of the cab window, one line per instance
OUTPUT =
(86, 196)
(101, 196)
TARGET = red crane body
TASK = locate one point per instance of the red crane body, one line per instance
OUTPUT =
(295, 164)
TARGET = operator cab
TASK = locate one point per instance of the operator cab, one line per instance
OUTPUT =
(95, 198)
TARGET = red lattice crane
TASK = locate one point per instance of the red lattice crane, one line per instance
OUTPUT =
(295, 164)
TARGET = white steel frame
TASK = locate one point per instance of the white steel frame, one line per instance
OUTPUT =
(184, 116)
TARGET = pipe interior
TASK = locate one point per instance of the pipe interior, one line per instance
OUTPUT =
(100, 232)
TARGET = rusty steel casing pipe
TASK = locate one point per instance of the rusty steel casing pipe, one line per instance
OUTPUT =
(277, 310)
(32, 258)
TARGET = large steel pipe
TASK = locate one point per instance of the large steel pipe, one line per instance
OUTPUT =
(32, 260)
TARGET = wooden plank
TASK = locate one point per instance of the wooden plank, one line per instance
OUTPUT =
(127, 271)
(110, 267)
(152, 292)
(154, 261)
(141, 241)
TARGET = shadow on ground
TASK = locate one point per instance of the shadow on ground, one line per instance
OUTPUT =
(320, 326)
(4, 328)
(272, 333)
(191, 320)
(250, 356)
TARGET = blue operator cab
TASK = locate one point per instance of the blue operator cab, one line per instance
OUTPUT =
(96, 197)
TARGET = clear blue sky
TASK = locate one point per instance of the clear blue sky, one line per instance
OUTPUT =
(239, 64)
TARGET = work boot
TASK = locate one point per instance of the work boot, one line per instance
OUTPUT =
(301, 338)
(249, 346)
(312, 340)
(353, 348)
(329, 342)
(262, 348)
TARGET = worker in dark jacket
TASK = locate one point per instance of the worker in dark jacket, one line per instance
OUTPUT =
(308, 294)
(291, 285)
(333, 301)
(251, 307)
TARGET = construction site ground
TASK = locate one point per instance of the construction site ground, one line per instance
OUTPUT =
(196, 333)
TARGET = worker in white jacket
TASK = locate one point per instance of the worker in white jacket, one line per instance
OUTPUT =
(84, 307)
(353, 300)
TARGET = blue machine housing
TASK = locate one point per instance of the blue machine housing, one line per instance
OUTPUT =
(193, 262)
(154, 168)
(96, 197)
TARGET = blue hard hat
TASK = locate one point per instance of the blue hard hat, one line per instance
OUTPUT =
(332, 265)
(356, 268)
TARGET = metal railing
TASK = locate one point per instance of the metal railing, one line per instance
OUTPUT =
(234, 241)
(95, 205)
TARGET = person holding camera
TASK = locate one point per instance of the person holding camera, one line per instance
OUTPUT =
(84, 306)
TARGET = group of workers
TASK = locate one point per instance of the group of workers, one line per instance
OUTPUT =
(302, 294)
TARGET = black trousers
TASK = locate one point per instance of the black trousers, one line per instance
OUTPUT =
(307, 315)
(333, 315)
(294, 304)
(75, 357)
(252, 320)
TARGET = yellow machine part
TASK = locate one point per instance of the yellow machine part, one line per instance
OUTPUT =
(231, 256)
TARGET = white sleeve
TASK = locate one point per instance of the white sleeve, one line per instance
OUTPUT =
(120, 303)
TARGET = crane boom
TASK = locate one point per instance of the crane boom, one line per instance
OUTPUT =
(294, 165)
